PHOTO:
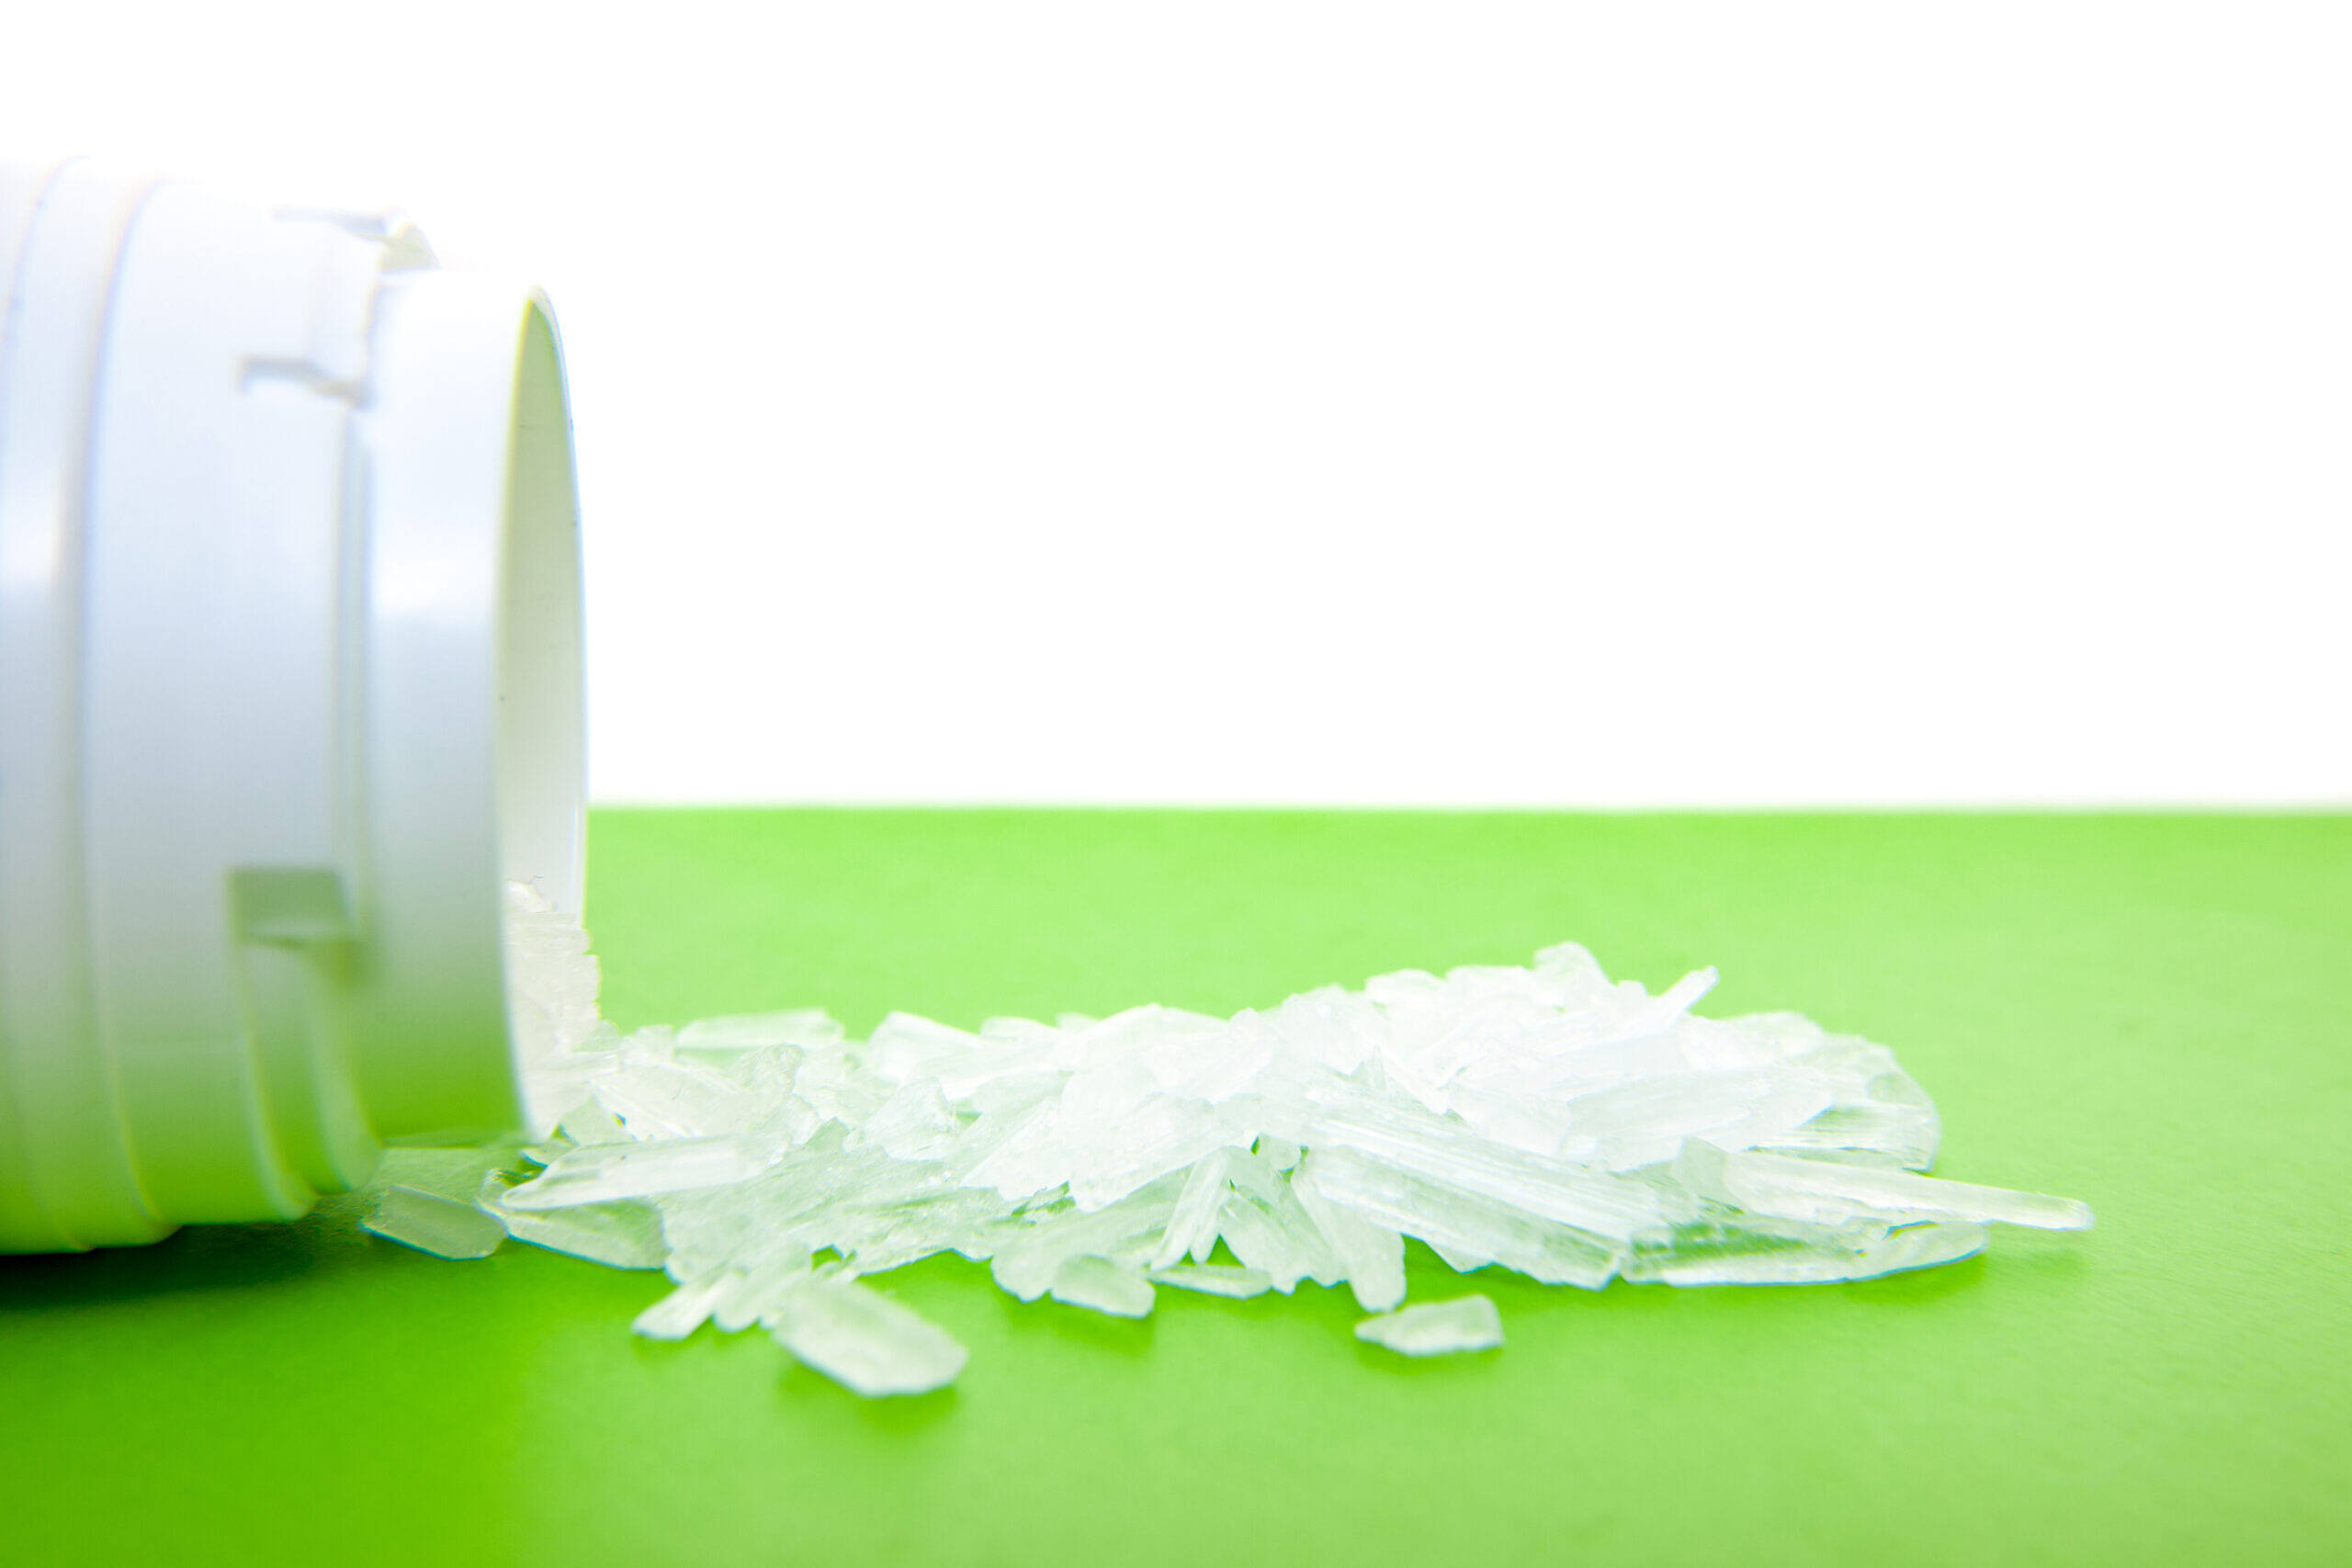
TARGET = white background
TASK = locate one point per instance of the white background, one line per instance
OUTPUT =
(1447, 404)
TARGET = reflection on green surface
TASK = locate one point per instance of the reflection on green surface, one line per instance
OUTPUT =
(2144, 1012)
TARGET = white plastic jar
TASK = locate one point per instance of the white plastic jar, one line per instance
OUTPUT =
(289, 685)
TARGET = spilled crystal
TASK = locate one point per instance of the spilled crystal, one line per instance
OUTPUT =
(1543, 1120)
(1436, 1328)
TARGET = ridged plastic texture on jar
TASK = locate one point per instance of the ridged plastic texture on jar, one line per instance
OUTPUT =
(289, 685)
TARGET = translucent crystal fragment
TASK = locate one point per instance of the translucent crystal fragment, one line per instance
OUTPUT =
(1459, 1262)
(1769, 1252)
(1028, 1260)
(1920, 1247)
(1371, 1255)
(1100, 1285)
(1227, 1280)
(455, 1174)
(755, 1294)
(600, 1173)
(865, 1341)
(1566, 1192)
(1467, 1225)
(1827, 1192)
(1192, 1225)
(684, 1310)
(1269, 1231)
(1436, 1328)
(659, 1099)
(552, 993)
(624, 1235)
(591, 1123)
(446, 1227)
(915, 1123)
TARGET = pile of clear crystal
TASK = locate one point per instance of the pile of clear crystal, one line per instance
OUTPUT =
(1543, 1120)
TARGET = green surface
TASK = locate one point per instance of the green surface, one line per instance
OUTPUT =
(2144, 1012)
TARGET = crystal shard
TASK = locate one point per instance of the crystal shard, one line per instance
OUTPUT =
(684, 1310)
(1269, 1230)
(430, 1222)
(601, 1172)
(863, 1340)
(1100, 1285)
(1370, 1254)
(1768, 1252)
(1467, 1225)
(455, 1174)
(750, 1295)
(1225, 1280)
(1436, 1328)
(624, 1235)
(1191, 1226)
(1827, 1192)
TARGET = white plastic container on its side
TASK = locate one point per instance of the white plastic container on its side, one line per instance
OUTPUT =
(289, 685)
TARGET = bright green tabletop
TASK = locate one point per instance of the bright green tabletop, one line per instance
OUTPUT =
(2144, 1012)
